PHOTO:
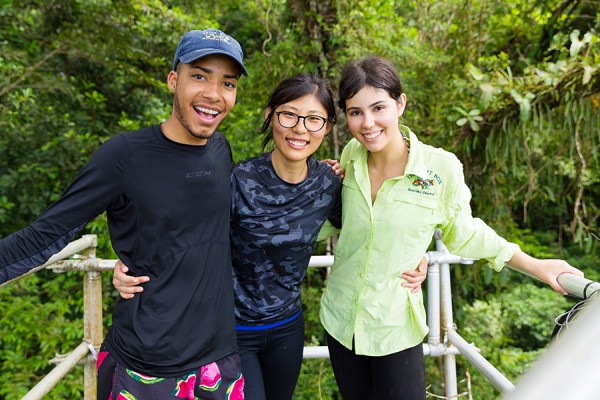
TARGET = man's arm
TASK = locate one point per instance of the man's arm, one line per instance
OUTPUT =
(96, 186)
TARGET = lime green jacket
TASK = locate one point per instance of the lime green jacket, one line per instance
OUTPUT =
(364, 297)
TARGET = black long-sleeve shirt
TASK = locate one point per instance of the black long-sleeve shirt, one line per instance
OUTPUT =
(168, 208)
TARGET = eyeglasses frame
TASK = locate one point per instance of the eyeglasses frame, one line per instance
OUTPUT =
(325, 120)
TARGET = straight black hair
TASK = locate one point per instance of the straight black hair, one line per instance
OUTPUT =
(293, 88)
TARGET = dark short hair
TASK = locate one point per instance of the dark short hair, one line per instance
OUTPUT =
(369, 71)
(293, 88)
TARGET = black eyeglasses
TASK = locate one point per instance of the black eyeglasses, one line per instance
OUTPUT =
(312, 123)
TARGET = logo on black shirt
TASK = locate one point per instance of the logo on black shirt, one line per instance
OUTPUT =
(198, 174)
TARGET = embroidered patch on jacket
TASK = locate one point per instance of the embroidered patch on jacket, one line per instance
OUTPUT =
(424, 185)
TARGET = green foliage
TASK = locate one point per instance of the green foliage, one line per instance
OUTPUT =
(532, 326)
(512, 87)
(511, 331)
(316, 381)
(541, 138)
(42, 317)
(28, 343)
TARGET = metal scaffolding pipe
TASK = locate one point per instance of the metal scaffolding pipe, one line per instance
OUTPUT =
(578, 286)
(92, 264)
(428, 350)
(440, 350)
(315, 352)
(92, 324)
(321, 261)
(445, 257)
(433, 305)
(76, 246)
(49, 382)
(447, 318)
(496, 378)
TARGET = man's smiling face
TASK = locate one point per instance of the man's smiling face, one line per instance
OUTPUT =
(204, 94)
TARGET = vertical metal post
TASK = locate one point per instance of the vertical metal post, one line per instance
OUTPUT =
(92, 322)
(433, 304)
(447, 325)
(447, 322)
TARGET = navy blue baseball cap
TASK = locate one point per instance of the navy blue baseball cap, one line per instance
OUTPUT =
(201, 43)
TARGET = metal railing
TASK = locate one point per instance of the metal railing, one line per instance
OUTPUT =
(443, 339)
(92, 320)
(569, 368)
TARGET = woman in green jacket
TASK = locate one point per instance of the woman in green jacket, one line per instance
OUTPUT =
(396, 192)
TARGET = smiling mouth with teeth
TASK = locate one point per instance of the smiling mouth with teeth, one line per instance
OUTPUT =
(209, 112)
(298, 143)
(372, 135)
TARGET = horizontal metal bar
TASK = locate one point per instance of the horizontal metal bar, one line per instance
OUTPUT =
(92, 264)
(439, 257)
(107, 265)
(445, 257)
(321, 261)
(428, 350)
(315, 352)
(439, 350)
(315, 261)
(578, 286)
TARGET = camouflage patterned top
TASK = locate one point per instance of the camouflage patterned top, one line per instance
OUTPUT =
(274, 228)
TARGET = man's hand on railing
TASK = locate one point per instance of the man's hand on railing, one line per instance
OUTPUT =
(414, 278)
(127, 285)
(546, 270)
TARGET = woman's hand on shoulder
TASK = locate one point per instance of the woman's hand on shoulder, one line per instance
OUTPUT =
(335, 167)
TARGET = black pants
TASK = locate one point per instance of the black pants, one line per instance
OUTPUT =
(398, 376)
(271, 360)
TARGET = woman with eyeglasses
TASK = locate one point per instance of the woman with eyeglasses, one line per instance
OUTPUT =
(280, 200)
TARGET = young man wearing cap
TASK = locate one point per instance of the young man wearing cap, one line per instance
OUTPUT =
(166, 191)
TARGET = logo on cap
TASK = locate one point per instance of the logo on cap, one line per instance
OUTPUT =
(217, 35)
(196, 44)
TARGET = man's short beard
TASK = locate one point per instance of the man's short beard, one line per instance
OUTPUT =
(181, 117)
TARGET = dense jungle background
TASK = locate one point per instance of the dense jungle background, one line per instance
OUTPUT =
(511, 86)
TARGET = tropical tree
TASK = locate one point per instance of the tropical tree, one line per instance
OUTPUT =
(512, 87)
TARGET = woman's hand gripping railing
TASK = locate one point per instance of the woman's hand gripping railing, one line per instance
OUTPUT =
(577, 286)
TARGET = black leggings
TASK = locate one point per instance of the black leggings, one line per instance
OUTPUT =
(398, 376)
(271, 360)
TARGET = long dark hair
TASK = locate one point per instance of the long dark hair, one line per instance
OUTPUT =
(369, 71)
(293, 88)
